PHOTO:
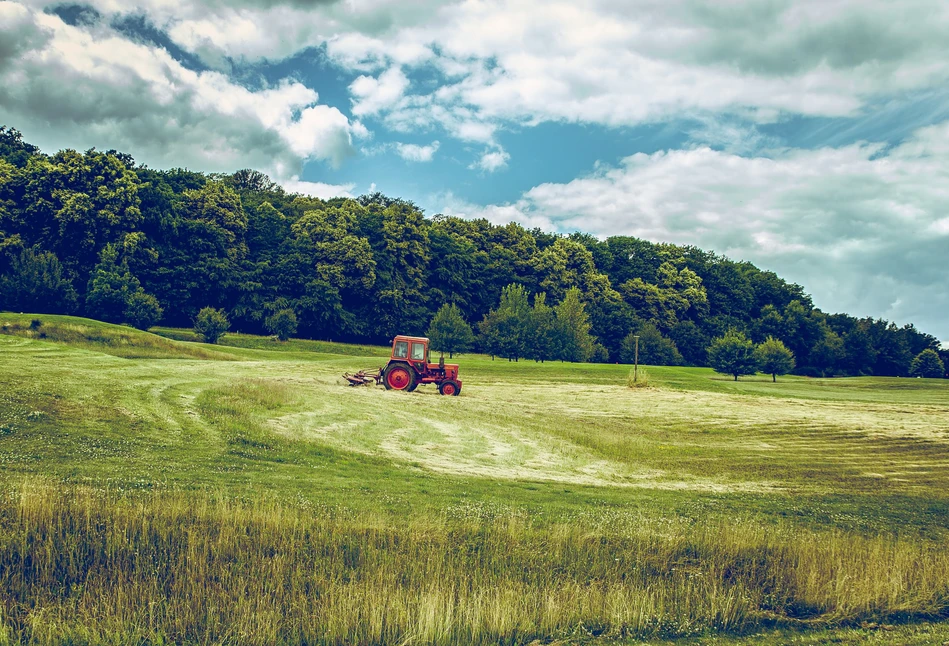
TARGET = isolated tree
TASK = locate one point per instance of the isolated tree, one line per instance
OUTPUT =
(774, 358)
(143, 310)
(282, 324)
(733, 354)
(574, 326)
(927, 364)
(449, 332)
(35, 283)
(110, 288)
(211, 324)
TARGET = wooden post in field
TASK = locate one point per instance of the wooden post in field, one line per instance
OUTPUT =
(636, 361)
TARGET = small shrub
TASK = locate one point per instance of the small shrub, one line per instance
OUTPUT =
(600, 354)
(654, 348)
(143, 310)
(211, 324)
(282, 324)
(640, 380)
(36, 324)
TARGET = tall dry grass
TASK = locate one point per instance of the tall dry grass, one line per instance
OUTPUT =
(83, 566)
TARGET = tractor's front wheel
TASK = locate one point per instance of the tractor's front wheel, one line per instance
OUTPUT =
(452, 388)
(399, 377)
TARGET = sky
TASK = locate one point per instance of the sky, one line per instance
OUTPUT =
(810, 137)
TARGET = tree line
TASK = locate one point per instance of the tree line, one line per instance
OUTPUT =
(94, 233)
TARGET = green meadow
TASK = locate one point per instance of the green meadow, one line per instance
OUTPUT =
(156, 490)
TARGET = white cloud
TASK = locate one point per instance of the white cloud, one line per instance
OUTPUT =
(940, 227)
(862, 229)
(373, 94)
(70, 86)
(450, 204)
(607, 62)
(492, 160)
(523, 62)
(317, 189)
(619, 63)
(359, 130)
(416, 153)
(360, 52)
(273, 29)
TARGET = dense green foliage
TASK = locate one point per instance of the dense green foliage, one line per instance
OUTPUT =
(34, 282)
(449, 331)
(774, 358)
(99, 226)
(654, 349)
(211, 324)
(143, 310)
(282, 324)
(928, 364)
(733, 354)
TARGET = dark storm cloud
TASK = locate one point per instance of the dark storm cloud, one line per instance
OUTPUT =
(778, 38)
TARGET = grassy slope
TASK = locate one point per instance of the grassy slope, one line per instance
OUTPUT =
(558, 442)
(554, 437)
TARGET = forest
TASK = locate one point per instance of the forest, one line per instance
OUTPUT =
(95, 234)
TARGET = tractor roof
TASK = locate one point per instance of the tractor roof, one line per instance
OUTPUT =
(401, 337)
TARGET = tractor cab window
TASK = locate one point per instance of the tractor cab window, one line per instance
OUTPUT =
(418, 352)
(401, 349)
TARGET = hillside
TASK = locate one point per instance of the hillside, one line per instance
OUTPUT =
(283, 408)
(547, 499)
(95, 234)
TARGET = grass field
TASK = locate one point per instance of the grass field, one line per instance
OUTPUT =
(158, 490)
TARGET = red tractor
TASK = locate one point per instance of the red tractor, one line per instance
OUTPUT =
(409, 366)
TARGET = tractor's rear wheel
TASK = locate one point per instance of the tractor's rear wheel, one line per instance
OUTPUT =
(452, 388)
(399, 377)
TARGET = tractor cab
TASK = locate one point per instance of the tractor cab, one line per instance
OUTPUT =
(410, 348)
(410, 366)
